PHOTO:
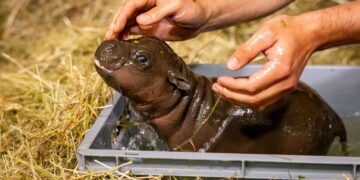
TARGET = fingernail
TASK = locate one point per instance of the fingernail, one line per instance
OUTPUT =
(232, 63)
(215, 88)
(111, 29)
(108, 35)
(144, 19)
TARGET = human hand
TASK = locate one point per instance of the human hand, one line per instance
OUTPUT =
(287, 43)
(164, 19)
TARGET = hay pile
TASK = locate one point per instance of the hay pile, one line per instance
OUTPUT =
(50, 94)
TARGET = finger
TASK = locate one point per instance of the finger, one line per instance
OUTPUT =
(258, 43)
(115, 27)
(110, 35)
(126, 12)
(163, 30)
(216, 87)
(158, 13)
(272, 72)
(134, 30)
(265, 97)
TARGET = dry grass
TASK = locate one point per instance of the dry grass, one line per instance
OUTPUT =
(50, 93)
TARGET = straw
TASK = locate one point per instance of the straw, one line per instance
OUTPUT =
(50, 94)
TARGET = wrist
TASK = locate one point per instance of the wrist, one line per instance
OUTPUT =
(211, 11)
(312, 29)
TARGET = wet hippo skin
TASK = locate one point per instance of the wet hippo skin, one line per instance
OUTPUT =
(178, 104)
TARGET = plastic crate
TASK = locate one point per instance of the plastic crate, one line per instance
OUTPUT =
(338, 85)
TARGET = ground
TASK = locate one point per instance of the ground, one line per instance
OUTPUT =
(50, 93)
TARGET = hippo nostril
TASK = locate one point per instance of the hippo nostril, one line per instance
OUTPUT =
(106, 51)
(109, 49)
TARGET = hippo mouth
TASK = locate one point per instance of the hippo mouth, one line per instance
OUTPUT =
(102, 68)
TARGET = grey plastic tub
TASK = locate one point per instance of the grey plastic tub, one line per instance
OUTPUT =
(339, 85)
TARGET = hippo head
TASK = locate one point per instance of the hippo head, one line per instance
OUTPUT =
(142, 69)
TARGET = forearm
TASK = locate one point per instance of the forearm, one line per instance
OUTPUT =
(334, 26)
(229, 12)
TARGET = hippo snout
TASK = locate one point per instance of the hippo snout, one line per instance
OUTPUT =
(111, 54)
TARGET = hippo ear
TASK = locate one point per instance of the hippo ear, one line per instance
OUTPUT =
(179, 81)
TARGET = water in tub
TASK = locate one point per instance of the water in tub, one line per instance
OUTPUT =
(136, 135)
(352, 125)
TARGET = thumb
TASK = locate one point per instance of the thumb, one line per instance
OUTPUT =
(258, 43)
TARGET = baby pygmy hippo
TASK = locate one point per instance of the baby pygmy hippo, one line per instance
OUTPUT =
(184, 110)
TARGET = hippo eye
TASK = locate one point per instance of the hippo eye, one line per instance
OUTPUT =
(142, 59)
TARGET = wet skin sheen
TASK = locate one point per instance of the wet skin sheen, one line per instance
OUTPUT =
(177, 102)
